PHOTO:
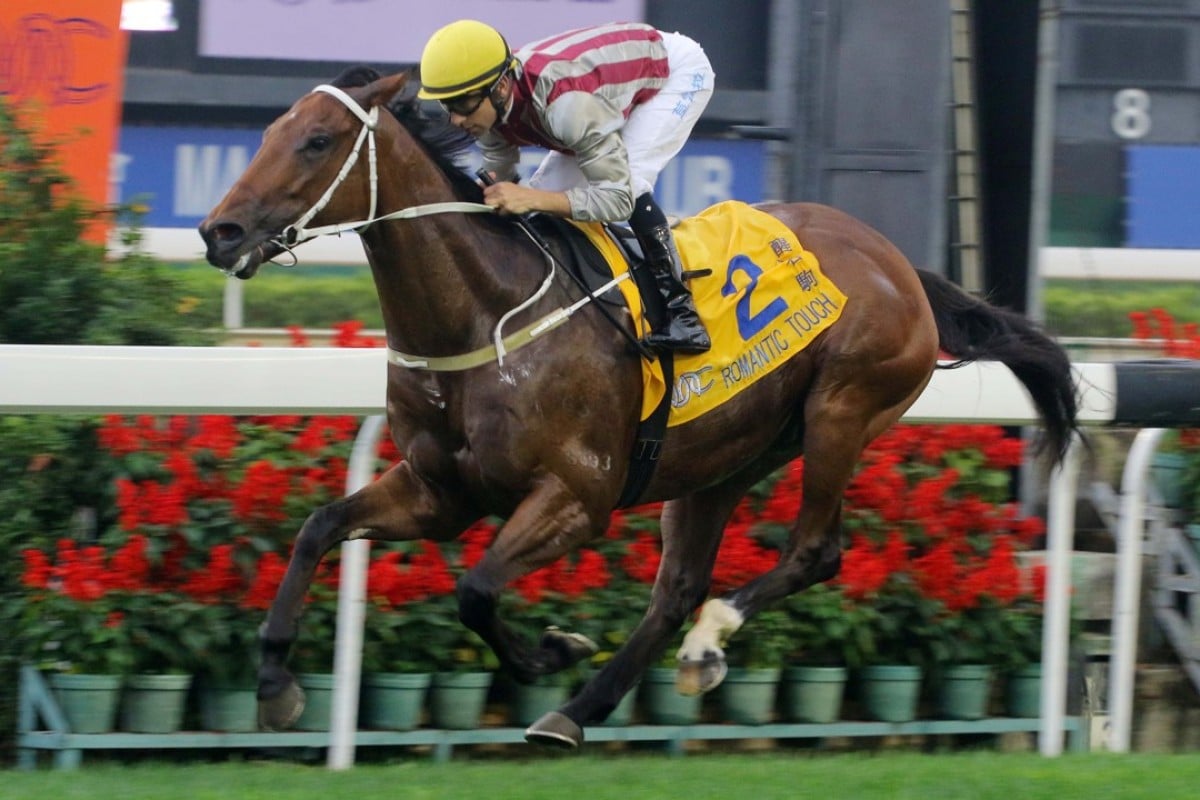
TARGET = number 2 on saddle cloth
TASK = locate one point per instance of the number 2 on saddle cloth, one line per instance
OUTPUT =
(763, 299)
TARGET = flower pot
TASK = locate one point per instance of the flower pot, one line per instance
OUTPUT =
(1023, 692)
(964, 691)
(747, 695)
(89, 702)
(457, 699)
(154, 703)
(228, 708)
(890, 691)
(1167, 473)
(813, 694)
(530, 701)
(662, 704)
(394, 700)
(318, 701)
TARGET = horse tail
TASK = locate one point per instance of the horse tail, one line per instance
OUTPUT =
(970, 329)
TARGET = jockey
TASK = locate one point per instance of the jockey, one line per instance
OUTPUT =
(613, 104)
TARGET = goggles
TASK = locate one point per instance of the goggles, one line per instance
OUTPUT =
(467, 104)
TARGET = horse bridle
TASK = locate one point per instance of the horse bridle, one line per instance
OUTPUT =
(297, 233)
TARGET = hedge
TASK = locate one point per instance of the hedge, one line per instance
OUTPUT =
(319, 296)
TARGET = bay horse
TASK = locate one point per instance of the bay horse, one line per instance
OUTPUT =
(543, 439)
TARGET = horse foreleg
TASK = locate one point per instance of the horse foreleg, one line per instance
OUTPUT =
(399, 506)
(691, 533)
(549, 523)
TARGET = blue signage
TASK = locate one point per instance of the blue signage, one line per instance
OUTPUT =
(180, 173)
(1162, 196)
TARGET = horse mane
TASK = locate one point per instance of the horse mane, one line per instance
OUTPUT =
(444, 143)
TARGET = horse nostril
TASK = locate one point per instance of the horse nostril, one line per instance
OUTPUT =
(228, 233)
(223, 241)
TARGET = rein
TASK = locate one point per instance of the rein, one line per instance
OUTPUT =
(297, 233)
(500, 347)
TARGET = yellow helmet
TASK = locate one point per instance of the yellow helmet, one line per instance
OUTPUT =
(462, 57)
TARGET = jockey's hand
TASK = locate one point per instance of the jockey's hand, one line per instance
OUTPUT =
(513, 198)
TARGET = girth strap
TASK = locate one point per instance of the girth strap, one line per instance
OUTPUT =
(647, 447)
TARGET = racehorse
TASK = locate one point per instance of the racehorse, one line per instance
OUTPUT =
(542, 437)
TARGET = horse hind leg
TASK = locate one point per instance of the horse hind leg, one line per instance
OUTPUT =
(398, 506)
(835, 435)
(702, 664)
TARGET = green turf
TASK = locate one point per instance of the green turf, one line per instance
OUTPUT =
(976, 775)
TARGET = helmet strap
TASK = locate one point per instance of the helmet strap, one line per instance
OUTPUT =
(501, 104)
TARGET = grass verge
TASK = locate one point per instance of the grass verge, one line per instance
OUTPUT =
(975, 775)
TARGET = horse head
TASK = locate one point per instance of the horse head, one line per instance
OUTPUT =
(304, 172)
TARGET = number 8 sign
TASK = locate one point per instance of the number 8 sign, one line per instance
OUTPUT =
(1131, 113)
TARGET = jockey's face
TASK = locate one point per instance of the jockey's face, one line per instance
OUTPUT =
(477, 112)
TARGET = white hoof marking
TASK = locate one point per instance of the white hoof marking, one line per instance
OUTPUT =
(718, 621)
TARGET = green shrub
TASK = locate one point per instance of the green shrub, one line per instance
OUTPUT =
(56, 288)
(318, 296)
(307, 296)
(312, 300)
(1101, 308)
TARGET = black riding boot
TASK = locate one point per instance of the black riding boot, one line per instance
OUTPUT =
(683, 331)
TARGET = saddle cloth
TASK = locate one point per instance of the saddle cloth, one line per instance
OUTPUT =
(764, 302)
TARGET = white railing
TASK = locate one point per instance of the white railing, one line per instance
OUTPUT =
(1119, 263)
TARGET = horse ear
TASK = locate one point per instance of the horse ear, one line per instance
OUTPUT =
(360, 75)
(381, 92)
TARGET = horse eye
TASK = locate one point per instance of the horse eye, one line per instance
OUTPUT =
(319, 143)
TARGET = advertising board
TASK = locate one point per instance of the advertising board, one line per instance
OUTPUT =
(180, 173)
(382, 31)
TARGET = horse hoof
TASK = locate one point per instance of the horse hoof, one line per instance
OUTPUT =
(281, 711)
(572, 647)
(555, 730)
(697, 677)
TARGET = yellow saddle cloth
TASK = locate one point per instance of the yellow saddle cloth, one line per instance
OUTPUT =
(764, 302)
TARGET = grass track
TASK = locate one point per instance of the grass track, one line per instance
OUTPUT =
(975, 775)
